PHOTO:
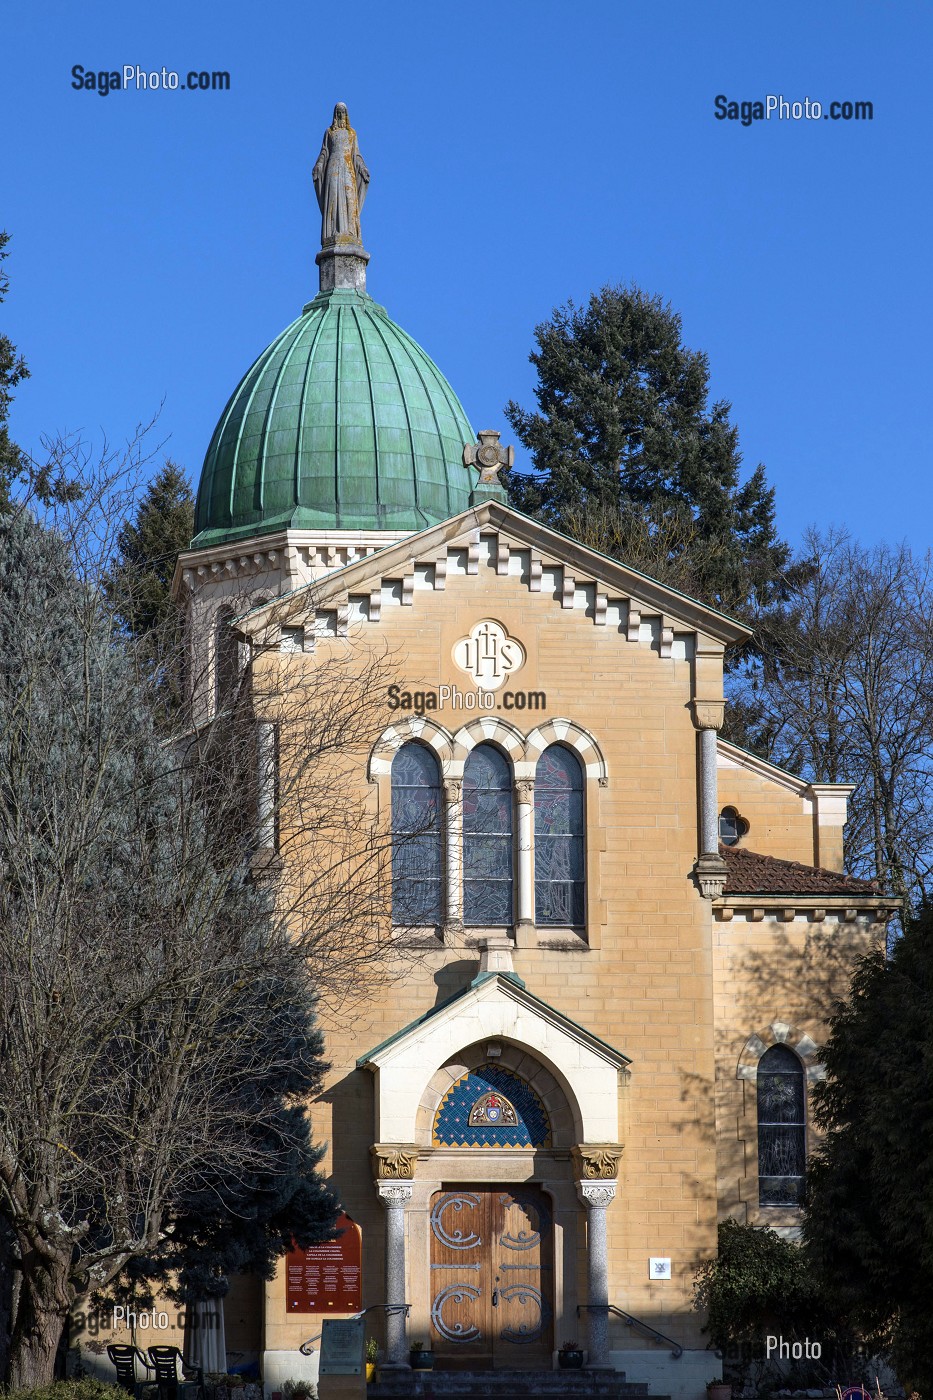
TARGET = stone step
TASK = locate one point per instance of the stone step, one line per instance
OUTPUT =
(508, 1385)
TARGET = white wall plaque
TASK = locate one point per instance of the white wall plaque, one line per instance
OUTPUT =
(489, 654)
(659, 1268)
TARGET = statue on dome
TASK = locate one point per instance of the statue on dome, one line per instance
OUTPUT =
(340, 182)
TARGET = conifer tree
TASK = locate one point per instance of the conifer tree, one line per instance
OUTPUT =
(140, 578)
(630, 457)
(869, 1222)
(13, 369)
(138, 582)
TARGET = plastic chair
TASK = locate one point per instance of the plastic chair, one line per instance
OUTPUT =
(124, 1359)
(167, 1362)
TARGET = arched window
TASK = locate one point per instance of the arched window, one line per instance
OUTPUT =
(558, 838)
(416, 837)
(782, 1134)
(226, 658)
(487, 838)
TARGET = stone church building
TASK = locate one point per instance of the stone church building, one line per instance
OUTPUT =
(620, 933)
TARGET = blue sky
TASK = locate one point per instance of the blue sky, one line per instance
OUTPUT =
(521, 153)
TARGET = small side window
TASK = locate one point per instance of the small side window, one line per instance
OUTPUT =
(732, 827)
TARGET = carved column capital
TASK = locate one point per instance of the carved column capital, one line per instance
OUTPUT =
(596, 1195)
(394, 1160)
(525, 789)
(394, 1193)
(453, 789)
(597, 1161)
(711, 871)
(708, 714)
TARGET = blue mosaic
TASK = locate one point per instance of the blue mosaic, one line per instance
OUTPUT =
(452, 1126)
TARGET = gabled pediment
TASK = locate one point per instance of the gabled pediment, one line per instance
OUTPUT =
(495, 537)
(496, 1006)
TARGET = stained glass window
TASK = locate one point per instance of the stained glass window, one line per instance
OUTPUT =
(487, 837)
(558, 838)
(491, 1107)
(782, 1134)
(416, 837)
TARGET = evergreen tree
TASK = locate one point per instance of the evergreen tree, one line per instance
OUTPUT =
(138, 582)
(629, 456)
(869, 1224)
(140, 579)
(20, 477)
(12, 370)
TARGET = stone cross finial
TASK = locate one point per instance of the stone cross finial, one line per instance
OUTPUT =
(488, 456)
(497, 954)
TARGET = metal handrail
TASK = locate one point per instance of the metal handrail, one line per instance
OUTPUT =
(307, 1349)
(677, 1350)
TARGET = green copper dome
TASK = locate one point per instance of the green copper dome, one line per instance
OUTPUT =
(342, 423)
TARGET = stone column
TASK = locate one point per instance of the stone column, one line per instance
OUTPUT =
(596, 1165)
(710, 866)
(395, 1196)
(265, 785)
(453, 822)
(597, 1196)
(525, 935)
(709, 778)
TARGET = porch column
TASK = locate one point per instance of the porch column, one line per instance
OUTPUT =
(597, 1196)
(395, 1196)
(525, 930)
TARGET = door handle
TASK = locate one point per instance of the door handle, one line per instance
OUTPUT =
(495, 1294)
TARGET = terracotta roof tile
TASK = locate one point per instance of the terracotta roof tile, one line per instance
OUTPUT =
(751, 873)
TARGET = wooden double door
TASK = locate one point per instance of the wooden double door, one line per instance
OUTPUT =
(492, 1278)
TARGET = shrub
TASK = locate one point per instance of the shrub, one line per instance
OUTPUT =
(761, 1284)
(87, 1388)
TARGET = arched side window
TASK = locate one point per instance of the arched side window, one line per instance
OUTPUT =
(782, 1134)
(226, 658)
(487, 838)
(559, 882)
(417, 868)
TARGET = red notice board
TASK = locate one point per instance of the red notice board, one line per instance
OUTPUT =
(326, 1277)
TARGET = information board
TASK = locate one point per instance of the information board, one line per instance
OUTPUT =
(326, 1277)
(342, 1347)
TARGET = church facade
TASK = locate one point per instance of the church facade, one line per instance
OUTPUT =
(617, 934)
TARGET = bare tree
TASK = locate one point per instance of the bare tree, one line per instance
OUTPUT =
(173, 901)
(845, 694)
(662, 540)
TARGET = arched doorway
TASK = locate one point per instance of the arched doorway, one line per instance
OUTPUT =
(499, 1126)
